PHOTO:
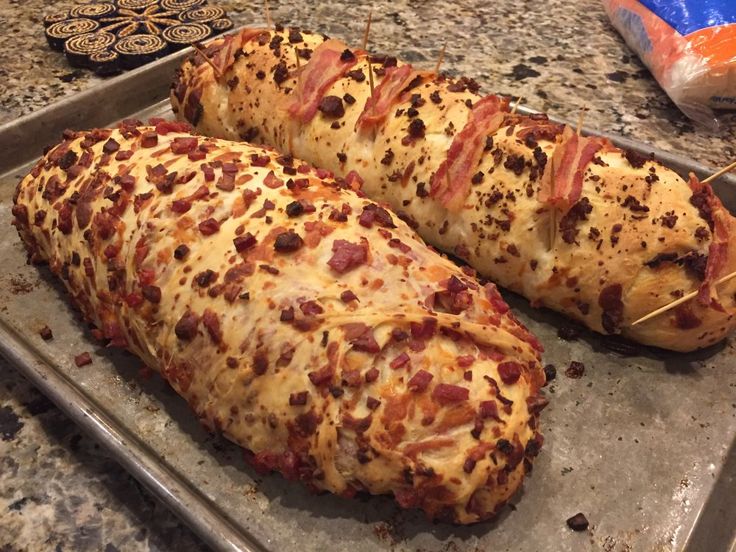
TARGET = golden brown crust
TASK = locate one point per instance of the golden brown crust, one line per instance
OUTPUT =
(635, 243)
(303, 321)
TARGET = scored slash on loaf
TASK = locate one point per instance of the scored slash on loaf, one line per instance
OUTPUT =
(303, 321)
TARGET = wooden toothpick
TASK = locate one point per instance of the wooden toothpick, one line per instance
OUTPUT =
(723, 171)
(211, 63)
(440, 60)
(370, 73)
(516, 105)
(367, 30)
(679, 301)
(267, 9)
(581, 116)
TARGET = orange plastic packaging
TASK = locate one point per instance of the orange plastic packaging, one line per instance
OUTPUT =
(690, 48)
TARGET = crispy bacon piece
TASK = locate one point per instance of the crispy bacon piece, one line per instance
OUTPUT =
(346, 255)
(452, 181)
(384, 96)
(562, 181)
(222, 55)
(718, 249)
(323, 69)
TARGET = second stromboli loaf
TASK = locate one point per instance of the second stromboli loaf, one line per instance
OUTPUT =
(572, 223)
(303, 321)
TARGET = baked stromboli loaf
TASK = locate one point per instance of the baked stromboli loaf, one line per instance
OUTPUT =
(302, 320)
(573, 223)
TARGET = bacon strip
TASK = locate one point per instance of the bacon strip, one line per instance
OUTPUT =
(451, 183)
(384, 96)
(223, 54)
(562, 181)
(718, 249)
(323, 69)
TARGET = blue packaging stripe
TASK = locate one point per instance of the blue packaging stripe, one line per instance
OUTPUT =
(688, 16)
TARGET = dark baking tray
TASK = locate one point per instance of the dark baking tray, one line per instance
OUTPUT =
(644, 443)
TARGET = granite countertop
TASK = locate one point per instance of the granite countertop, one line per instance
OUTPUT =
(58, 489)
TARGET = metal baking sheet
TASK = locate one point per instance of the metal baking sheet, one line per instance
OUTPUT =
(643, 444)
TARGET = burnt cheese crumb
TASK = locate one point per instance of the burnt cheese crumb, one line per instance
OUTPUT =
(280, 73)
(332, 106)
(417, 129)
(357, 75)
(181, 252)
(288, 242)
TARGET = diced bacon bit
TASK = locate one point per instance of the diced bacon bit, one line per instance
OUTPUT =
(510, 372)
(321, 376)
(451, 183)
(184, 144)
(375, 213)
(208, 171)
(119, 156)
(311, 308)
(152, 293)
(211, 322)
(402, 360)
(359, 425)
(249, 196)
(272, 181)
(463, 361)
(244, 242)
(181, 206)
(562, 180)
(324, 173)
(82, 359)
(181, 252)
(317, 76)
(372, 403)
(347, 296)
(259, 160)
(149, 139)
(347, 255)
(64, 223)
(361, 337)
(419, 381)
(288, 242)
(197, 155)
(536, 403)
(186, 327)
(494, 297)
(260, 363)
(146, 276)
(354, 181)
(718, 248)
(164, 127)
(287, 315)
(489, 409)
(209, 227)
(372, 375)
(111, 146)
(425, 330)
(384, 96)
(445, 393)
(268, 205)
(298, 399)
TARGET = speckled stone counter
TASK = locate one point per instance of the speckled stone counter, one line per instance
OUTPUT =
(59, 490)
